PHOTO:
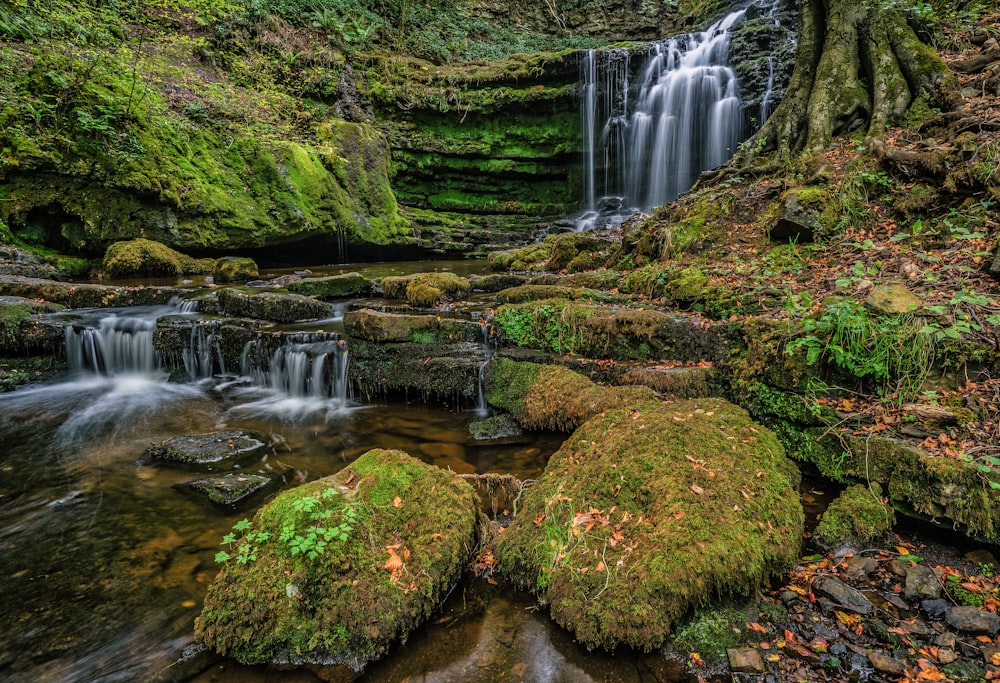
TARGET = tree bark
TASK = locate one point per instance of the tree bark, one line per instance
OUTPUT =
(859, 67)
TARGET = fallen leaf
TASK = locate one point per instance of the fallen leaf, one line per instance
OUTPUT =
(697, 489)
(397, 501)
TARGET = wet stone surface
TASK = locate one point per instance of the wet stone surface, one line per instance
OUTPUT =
(232, 491)
(203, 449)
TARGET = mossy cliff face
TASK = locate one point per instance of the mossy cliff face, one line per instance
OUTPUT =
(97, 150)
(349, 604)
(650, 511)
(490, 146)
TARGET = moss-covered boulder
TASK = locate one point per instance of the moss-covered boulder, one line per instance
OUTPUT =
(555, 253)
(74, 295)
(143, 257)
(332, 287)
(449, 373)
(551, 396)
(341, 568)
(805, 214)
(425, 289)
(858, 515)
(234, 269)
(273, 306)
(649, 511)
(376, 326)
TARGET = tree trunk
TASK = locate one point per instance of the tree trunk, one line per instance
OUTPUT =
(859, 67)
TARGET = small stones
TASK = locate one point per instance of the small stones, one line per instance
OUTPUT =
(886, 663)
(845, 596)
(745, 660)
(935, 609)
(970, 619)
(922, 582)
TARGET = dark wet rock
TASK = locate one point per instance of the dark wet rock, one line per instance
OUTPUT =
(746, 660)
(886, 663)
(806, 213)
(946, 655)
(981, 556)
(376, 326)
(234, 269)
(204, 449)
(332, 287)
(407, 528)
(711, 528)
(922, 582)
(495, 428)
(969, 619)
(193, 660)
(24, 331)
(273, 306)
(847, 597)
(15, 261)
(233, 491)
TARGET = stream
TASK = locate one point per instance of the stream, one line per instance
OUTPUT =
(106, 561)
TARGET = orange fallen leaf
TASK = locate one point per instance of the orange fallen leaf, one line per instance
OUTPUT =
(397, 501)
(756, 627)
(697, 489)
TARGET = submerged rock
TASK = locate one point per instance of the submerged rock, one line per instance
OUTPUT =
(400, 533)
(652, 509)
(203, 449)
(232, 491)
(495, 428)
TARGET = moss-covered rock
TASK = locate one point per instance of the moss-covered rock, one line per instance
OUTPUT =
(649, 511)
(396, 327)
(332, 287)
(17, 313)
(806, 214)
(496, 282)
(449, 373)
(203, 449)
(139, 257)
(401, 533)
(74, 295)
(234, 269)
(15, 372)
(273, 306)
(562, 326)
(554, 253)
(857, 515)
(551, 396)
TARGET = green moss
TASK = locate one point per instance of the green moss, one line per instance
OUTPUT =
(550, 396)
(710, 632)
(623, 534)
(145, 257)
(348, 284)
(234, 269)
(344, 607)
(282, 308)
(15, 372)
(689, 285)
(857, 514)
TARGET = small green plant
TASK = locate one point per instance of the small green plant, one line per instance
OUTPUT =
(244, 545)
(309, 539)
(892, 351)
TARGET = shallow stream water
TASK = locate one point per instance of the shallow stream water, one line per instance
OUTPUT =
(105, 562)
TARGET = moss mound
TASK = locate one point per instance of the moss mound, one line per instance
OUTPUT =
(407, 529)
(139, 257)
(376, 326)
(650, 511)
(857, 514)
(234, 269)
(551, 396)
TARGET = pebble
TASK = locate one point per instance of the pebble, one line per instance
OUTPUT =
(847, 597)
(859, 568)
(946, 655)
(971, 619)
(936, 609)
(886, 663)
(745, 660)
(922, 582)
(897, 567)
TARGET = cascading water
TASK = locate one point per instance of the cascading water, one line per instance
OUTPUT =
(648, 141)
(307, 372)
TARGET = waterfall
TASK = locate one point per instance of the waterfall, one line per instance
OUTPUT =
(117, 344)
(307, 365)
(203, 351)
(650, 140)
(482, 407)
